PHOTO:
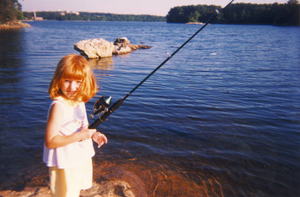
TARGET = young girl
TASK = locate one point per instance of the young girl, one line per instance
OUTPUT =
(68, 145)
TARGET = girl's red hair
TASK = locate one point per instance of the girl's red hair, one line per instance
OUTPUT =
(74, 67)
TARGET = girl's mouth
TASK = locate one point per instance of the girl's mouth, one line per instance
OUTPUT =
(71, 93)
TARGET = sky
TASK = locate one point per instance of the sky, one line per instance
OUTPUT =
(151, 7)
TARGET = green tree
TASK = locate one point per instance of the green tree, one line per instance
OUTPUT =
(194, 16)
(176, 15)
(240, 13)
(10, 10)
(293, 8)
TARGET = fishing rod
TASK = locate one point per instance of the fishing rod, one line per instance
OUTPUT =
(101, 105)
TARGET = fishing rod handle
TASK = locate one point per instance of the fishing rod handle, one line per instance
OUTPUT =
(104, 116)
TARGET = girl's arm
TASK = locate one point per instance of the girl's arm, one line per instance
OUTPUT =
(52, 137)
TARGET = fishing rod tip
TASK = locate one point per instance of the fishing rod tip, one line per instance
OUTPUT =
(217, 11)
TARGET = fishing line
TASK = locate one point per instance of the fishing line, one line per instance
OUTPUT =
(101, 104)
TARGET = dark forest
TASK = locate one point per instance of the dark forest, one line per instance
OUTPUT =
(239, 13)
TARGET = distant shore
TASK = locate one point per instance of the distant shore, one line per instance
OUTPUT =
(14, 25)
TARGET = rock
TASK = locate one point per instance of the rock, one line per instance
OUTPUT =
(28, 192)
(14, 25)
(144, 47)
(99, 48)
(105, 189)
(122, 46)
(95, 48)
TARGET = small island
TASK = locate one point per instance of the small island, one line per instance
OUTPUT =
(11, 15)
(14, 25)
(239, 13)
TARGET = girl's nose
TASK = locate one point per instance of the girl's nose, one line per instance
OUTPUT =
(73, 85)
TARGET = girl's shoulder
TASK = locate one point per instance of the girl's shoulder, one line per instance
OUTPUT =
(56, 107)
(58, 101)
(65, 104)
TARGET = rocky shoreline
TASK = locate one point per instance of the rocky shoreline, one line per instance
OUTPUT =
(14, 25)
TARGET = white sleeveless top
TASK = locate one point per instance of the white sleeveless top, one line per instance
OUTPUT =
(71, 155)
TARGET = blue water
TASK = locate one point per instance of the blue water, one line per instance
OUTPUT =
(221, 118)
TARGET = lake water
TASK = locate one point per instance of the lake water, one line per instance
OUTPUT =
(221, 118)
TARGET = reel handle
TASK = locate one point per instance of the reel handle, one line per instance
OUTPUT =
(104, 116)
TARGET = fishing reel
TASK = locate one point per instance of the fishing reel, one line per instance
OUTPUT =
(101, 105)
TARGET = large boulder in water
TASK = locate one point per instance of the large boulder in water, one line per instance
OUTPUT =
(99, 48)
(95, 48)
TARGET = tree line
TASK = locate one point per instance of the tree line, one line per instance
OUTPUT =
(89, 16)
(10, 10)
(239, 13)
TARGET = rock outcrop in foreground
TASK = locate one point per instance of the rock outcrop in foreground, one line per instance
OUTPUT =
(99, 48)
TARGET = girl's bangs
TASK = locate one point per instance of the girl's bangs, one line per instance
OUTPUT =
(74, 72)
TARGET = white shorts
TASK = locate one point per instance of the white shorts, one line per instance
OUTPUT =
(68, 182)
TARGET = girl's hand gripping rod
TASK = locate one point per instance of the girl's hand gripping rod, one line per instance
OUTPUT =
(117, 104)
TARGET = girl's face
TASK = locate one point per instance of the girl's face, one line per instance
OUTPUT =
(70, 87)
